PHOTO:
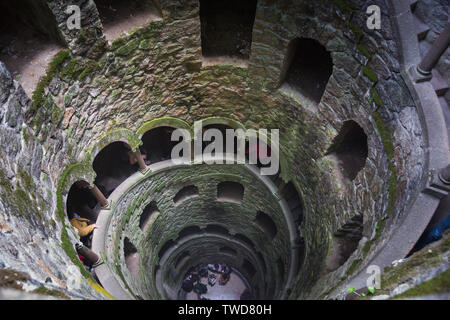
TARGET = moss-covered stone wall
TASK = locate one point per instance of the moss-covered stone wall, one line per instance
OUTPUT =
(156, 71)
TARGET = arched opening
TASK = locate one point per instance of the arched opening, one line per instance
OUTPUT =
(189, 231)
(258, 152)
(185, 193)
(185, 256)
(281, 272)
(294, 201)
(119, 17)
(307, 68)
(345, 242)
(166, 246)
(147, 216)
(226, 28)
(349, 149)
(113, 165)
(262, 260)
(131, 257)
(223, 130)
(81, 203)
(82, 211)
(300, 251)
(228, 250)
(266, 223)
(157, 144)
(230, 191)
(214, 228)
(245, 240)
(248, 267)
(29, 38)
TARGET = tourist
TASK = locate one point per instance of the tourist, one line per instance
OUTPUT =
(212, 279)
(203, 271)
(200, 288)
(434, 234)
(224, 278)
(187, 285)
(83, 226)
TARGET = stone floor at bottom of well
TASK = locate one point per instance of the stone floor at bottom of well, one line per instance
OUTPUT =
(231, 291)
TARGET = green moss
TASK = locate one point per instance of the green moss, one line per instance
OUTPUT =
(128, 48)
(26, 179)
(385, 135)
(119, 272)
(5, 183)
(90, 68)
(388, 145)
(364, 51)
(439, 284)
(38, 94)
(357, 31)
(72, 69)
(72, 254)
(50, 292)
(22, 201)
(353, 267)
(366, 248)
(26, 136)
(81, 37)
(57, 115)
(375, 97)
(145, 44)
(117, 43)
(151, 31)
(379, 228)
(345, 6)
(369, 73)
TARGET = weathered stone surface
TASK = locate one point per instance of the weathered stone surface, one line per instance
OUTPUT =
(156, 72)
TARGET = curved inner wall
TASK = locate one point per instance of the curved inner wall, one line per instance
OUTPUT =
(202, 224)
(361, 145)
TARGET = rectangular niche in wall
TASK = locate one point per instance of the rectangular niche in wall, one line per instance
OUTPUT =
(227, 28)
(29, 39)
(119, 17)
(306, 69)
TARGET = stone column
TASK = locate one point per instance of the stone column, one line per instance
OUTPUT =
(100, 197)
(432, 57)
(142, 167)
(91, 257)
(444, 175)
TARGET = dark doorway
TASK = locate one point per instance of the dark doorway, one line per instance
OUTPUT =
(307, 68)
(350, 149)
(80, 202)
(113, 166)
(157, 144)
(227, 27)
(150, 210)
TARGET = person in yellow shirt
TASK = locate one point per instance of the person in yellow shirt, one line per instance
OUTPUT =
(82, 225)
